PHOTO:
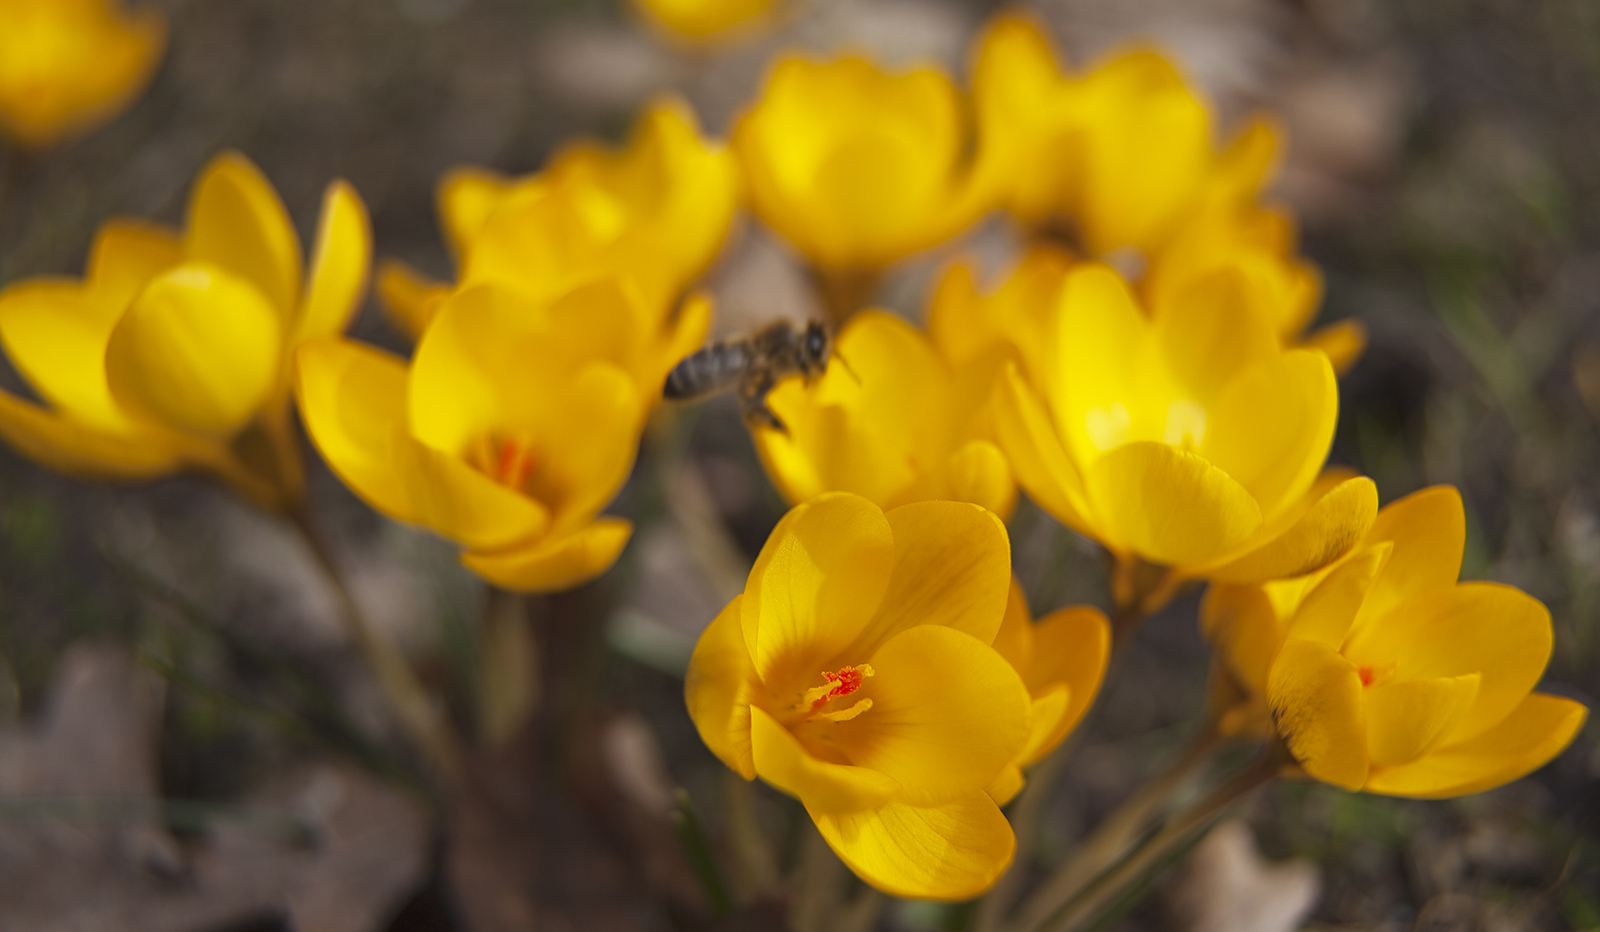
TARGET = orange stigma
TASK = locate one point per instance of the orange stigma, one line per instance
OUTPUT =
(507, 461)
(1371, 676)
(837, 685)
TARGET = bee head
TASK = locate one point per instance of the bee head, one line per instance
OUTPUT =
(814, 348)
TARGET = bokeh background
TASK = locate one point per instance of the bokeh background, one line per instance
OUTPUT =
(166, 642)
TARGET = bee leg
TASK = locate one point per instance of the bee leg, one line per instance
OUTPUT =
(753, 404)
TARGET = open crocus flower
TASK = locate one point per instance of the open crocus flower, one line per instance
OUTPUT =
(513, 426)
(68, 65)
(1192, 440)
(890, 421)
(1061, 659)
(856, 167)
(855, 673)
(977, 330)
(655, 212)
(174, 351)
(1383, 673)
(700, 20)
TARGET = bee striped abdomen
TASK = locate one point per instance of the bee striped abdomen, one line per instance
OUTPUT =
(708, 370)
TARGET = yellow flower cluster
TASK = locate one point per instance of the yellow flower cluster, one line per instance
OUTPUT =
(1143, 373)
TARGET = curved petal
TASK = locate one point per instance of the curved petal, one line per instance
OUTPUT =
(199, 352)
(352, 400)
(557, 563)
(824, 787)
(1486, 628)
(1036, 455)
(1071, 646)
(1014, 640)
(1327, 531)
(1005, 787)
(815, 586)
(1247, 632)
(1103, 394)
(947, 714)
(237, 222)
(1315, 695)
(462, 503)
(126, 254)
(409, 299)
(976, 472)
(466, 199)
(1343, 341)
(1050, 708)
(950, 852)
(719, 688)
(340, 262)
(80, 450)
(1538, 729)
(1169, 506)
(1329, 608)
(1429, 533)
(589, 441)
(56, 336)
(952, 567)
(1405, 719)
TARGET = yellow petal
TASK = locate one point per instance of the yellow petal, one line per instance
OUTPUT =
(950, 852)
(126, 255)
(1407, 718)
(1070, 646)
(199, 351)
(1429, 533)
(1036, 455)
(409, 298)
(1272, 426)
(1005, 787)
(1046, 720)
(815, 586)
(340, 262)
(466, 199)
(352, 400)
(462, 503)
(1315, 696)
(824, 787)
(589, 441)
(1343, 341)
(720, 685)
(83, 451)
(952, 566)
(1247, 632)
(555, 563)
(1538, 729)
(238, 223)
(1102, 393)
(947, 714)
(1336, 522)
(1014, 640)
(1169, 506)
(1486, 628)
(56, 336)
(976, 472)
(1214, 336)
(1329, 608)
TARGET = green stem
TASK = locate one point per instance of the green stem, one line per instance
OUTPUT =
(701, 858)
(422, 719)
(1179, 831)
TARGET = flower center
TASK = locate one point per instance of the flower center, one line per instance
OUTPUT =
(836, 686)
(509, 461)
(1374, 676)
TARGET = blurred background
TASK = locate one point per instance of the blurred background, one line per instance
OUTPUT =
(165, 642)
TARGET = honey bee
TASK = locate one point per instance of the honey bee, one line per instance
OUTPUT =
(755, 364)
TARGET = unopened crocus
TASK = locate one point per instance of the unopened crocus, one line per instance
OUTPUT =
(654, 213)
(173, 352)
(1192, 441)
(890, 420)
(857, 167)
(68, 65)
(1383, 673)
(855, 672)
(513, 426)
(1062, 660)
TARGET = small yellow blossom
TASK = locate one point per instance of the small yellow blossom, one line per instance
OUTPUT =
(69, 65)
(889, 421)
(700, 20)
(174, 351)
(655, 212)
(854, 166)
(1192, 440)
(1061, 660)
(855, 673)
(1383, 673)
(513, 426)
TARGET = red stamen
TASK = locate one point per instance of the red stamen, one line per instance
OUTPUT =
(1367, 675)
(843, 683)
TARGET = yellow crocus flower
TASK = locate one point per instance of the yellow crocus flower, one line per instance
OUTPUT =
(700, 20)
(974, 329)
(1190, 440)
(69, 65)
(515, 423)
(854, 166)
(655, 211)
(890, 420)
(855, 672)
(174, 351)
(1062, 660)
(1383, 673)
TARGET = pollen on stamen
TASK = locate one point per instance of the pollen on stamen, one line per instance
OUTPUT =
(843, 683)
